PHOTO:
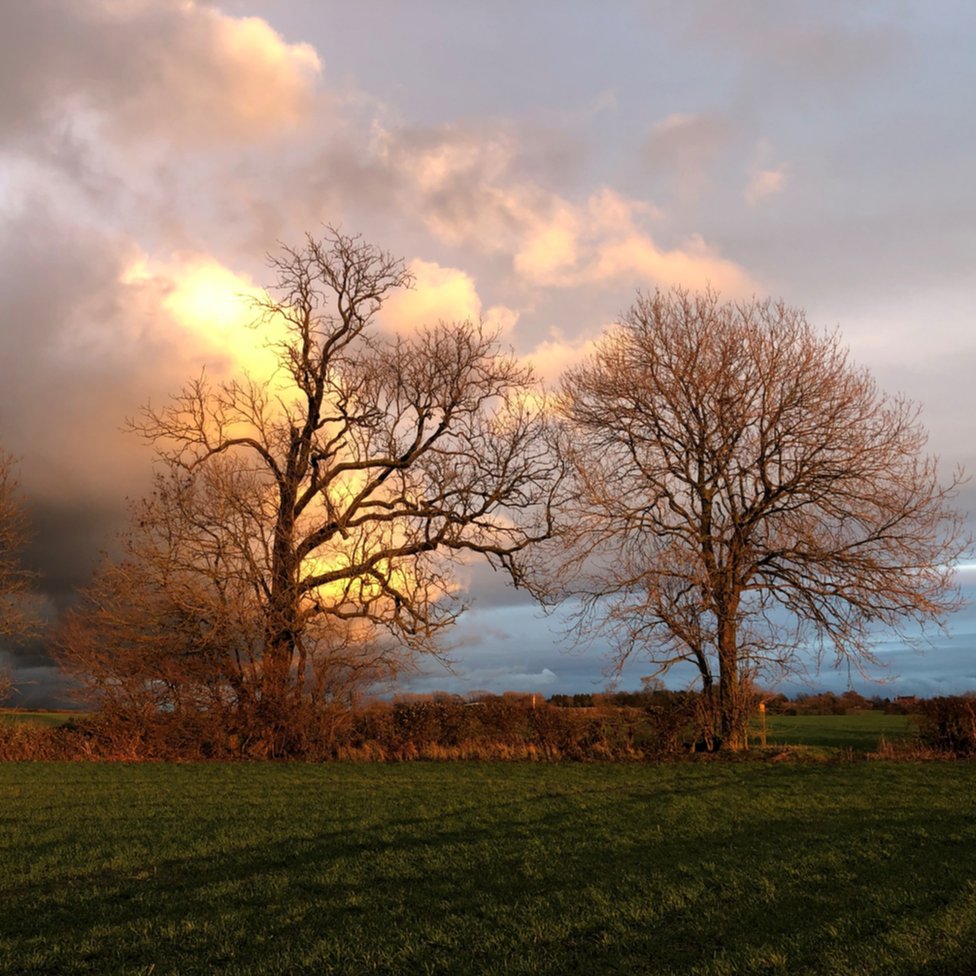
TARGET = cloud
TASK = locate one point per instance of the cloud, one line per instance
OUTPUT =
(493, 680)
(182, 72)
(208, 309)
(553, 356)
(37, 682)
(453, 178)
(441, 294)
(466, 186)
(764, 183)
(764, 179)
(686, 147)
(604, 242)
(550, 245)
(512, 681)
(169, 125)
(694, 265)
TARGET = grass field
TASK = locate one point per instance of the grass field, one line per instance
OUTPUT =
(861, 732)
(707, 868)
(15, 716)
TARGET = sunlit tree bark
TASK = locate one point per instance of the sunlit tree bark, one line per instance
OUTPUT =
(743, 492)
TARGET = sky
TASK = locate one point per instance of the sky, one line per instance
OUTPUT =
(536, 164)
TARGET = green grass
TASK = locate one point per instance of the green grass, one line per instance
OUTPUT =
(707, 868)
(858, 732)
(15, 716)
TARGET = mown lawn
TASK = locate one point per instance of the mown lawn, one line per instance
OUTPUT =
(693, 868)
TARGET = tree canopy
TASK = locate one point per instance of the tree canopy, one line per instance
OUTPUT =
(742, 493)
(299, 518)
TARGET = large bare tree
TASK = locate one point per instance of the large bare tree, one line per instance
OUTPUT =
(744, 494)
(298, 512)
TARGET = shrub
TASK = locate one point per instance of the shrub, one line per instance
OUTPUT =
(948, 724)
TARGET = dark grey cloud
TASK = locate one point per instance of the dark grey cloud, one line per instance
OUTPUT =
(519, 649)
(37, 681)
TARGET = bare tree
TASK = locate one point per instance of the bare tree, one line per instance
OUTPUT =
(742, 494)
(18, 619)
(296, 519)
(170, 635)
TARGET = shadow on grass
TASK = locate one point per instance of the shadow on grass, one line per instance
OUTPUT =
(790, 871)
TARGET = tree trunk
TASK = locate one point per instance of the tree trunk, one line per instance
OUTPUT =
(281, 623)
(706, 713)
(732, 707)
(277, 709)
(273, 710)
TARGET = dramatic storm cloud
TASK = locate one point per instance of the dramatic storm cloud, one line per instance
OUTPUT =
(534, 164)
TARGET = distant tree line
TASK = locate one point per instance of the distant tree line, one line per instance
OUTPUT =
(812, 703)
(665, 726)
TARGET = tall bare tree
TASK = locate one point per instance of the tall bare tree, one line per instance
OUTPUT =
(342, 489)
(743, 492)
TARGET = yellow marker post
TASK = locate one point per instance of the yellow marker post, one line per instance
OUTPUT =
(762, 724)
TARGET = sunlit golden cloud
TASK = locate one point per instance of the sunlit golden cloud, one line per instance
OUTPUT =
(269, 82)
(215, 309)
(465, 188)
(552, 357)
(695, 265)
(604, 241)
(550, 248)
(346, 551)
(442, 294)
(217, 78)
